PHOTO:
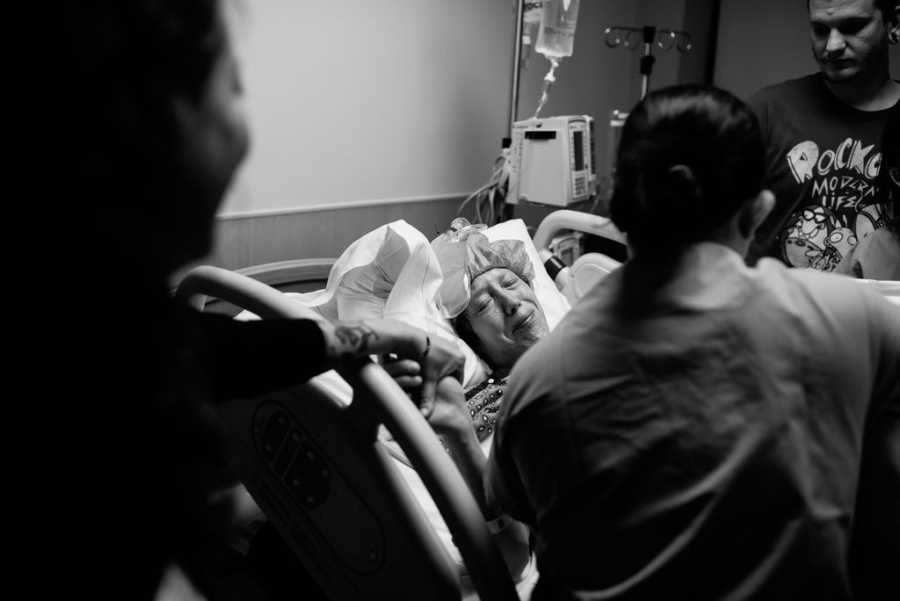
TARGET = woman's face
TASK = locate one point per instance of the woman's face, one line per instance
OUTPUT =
(505, 316)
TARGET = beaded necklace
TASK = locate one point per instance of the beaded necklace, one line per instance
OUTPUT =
(483, 403)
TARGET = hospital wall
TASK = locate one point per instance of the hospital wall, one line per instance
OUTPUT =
(363, 112)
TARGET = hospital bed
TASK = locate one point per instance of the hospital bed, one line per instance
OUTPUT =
(316, 468)
(307, 275)
(318, 471)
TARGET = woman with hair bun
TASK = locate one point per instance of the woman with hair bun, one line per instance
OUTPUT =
(696, 428)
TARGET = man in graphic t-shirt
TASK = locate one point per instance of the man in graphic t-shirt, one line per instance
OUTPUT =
(823, 135)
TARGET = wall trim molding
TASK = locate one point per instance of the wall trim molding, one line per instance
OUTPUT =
(353, 204)
(324, 231)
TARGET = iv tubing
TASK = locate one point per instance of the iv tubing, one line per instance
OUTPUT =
(548, 81)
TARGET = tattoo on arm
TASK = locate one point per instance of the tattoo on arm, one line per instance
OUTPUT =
(354, 340)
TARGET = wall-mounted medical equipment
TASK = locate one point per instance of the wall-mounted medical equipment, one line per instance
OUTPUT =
(631, 37)
(552, 161)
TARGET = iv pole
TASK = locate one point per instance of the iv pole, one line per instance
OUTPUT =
(617, 35)
(508, 211)
(517, 54)
(647, 59)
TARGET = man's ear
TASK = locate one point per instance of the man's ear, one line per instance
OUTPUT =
(755, 212)
(893, 25)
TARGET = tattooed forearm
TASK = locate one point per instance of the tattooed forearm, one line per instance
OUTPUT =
(354, 340)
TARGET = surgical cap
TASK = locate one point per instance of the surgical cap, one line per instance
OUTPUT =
(481, 256)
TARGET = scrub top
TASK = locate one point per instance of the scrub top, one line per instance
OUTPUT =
(706, 441)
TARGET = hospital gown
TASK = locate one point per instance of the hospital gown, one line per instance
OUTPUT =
(706, 443)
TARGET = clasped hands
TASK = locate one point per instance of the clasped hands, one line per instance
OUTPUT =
(433, 383)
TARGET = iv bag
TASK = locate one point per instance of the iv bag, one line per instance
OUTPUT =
(556, 37)
(531, 23)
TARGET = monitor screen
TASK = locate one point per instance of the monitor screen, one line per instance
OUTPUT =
(578, 141)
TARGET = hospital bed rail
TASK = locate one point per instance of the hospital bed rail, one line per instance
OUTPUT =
(349, 435)
(575, 220)
(294, 275)
(588, 268)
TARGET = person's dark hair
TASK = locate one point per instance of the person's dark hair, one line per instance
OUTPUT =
(887, 7)
(690, 156)
(128, 60)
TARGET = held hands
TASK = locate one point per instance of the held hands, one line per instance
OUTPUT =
(447, 409)
(443, 359)
(435, 357)
(421, 369)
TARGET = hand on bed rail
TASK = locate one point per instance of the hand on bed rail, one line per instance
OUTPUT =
(436, 357)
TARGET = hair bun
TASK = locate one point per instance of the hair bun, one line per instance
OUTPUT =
(672, 198)
(683, 188)
(675, 196)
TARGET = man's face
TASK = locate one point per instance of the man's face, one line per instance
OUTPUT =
(849, 37)
(505, 316)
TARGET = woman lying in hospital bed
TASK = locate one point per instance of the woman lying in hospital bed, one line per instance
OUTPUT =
(499, 318)
(510, 302)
